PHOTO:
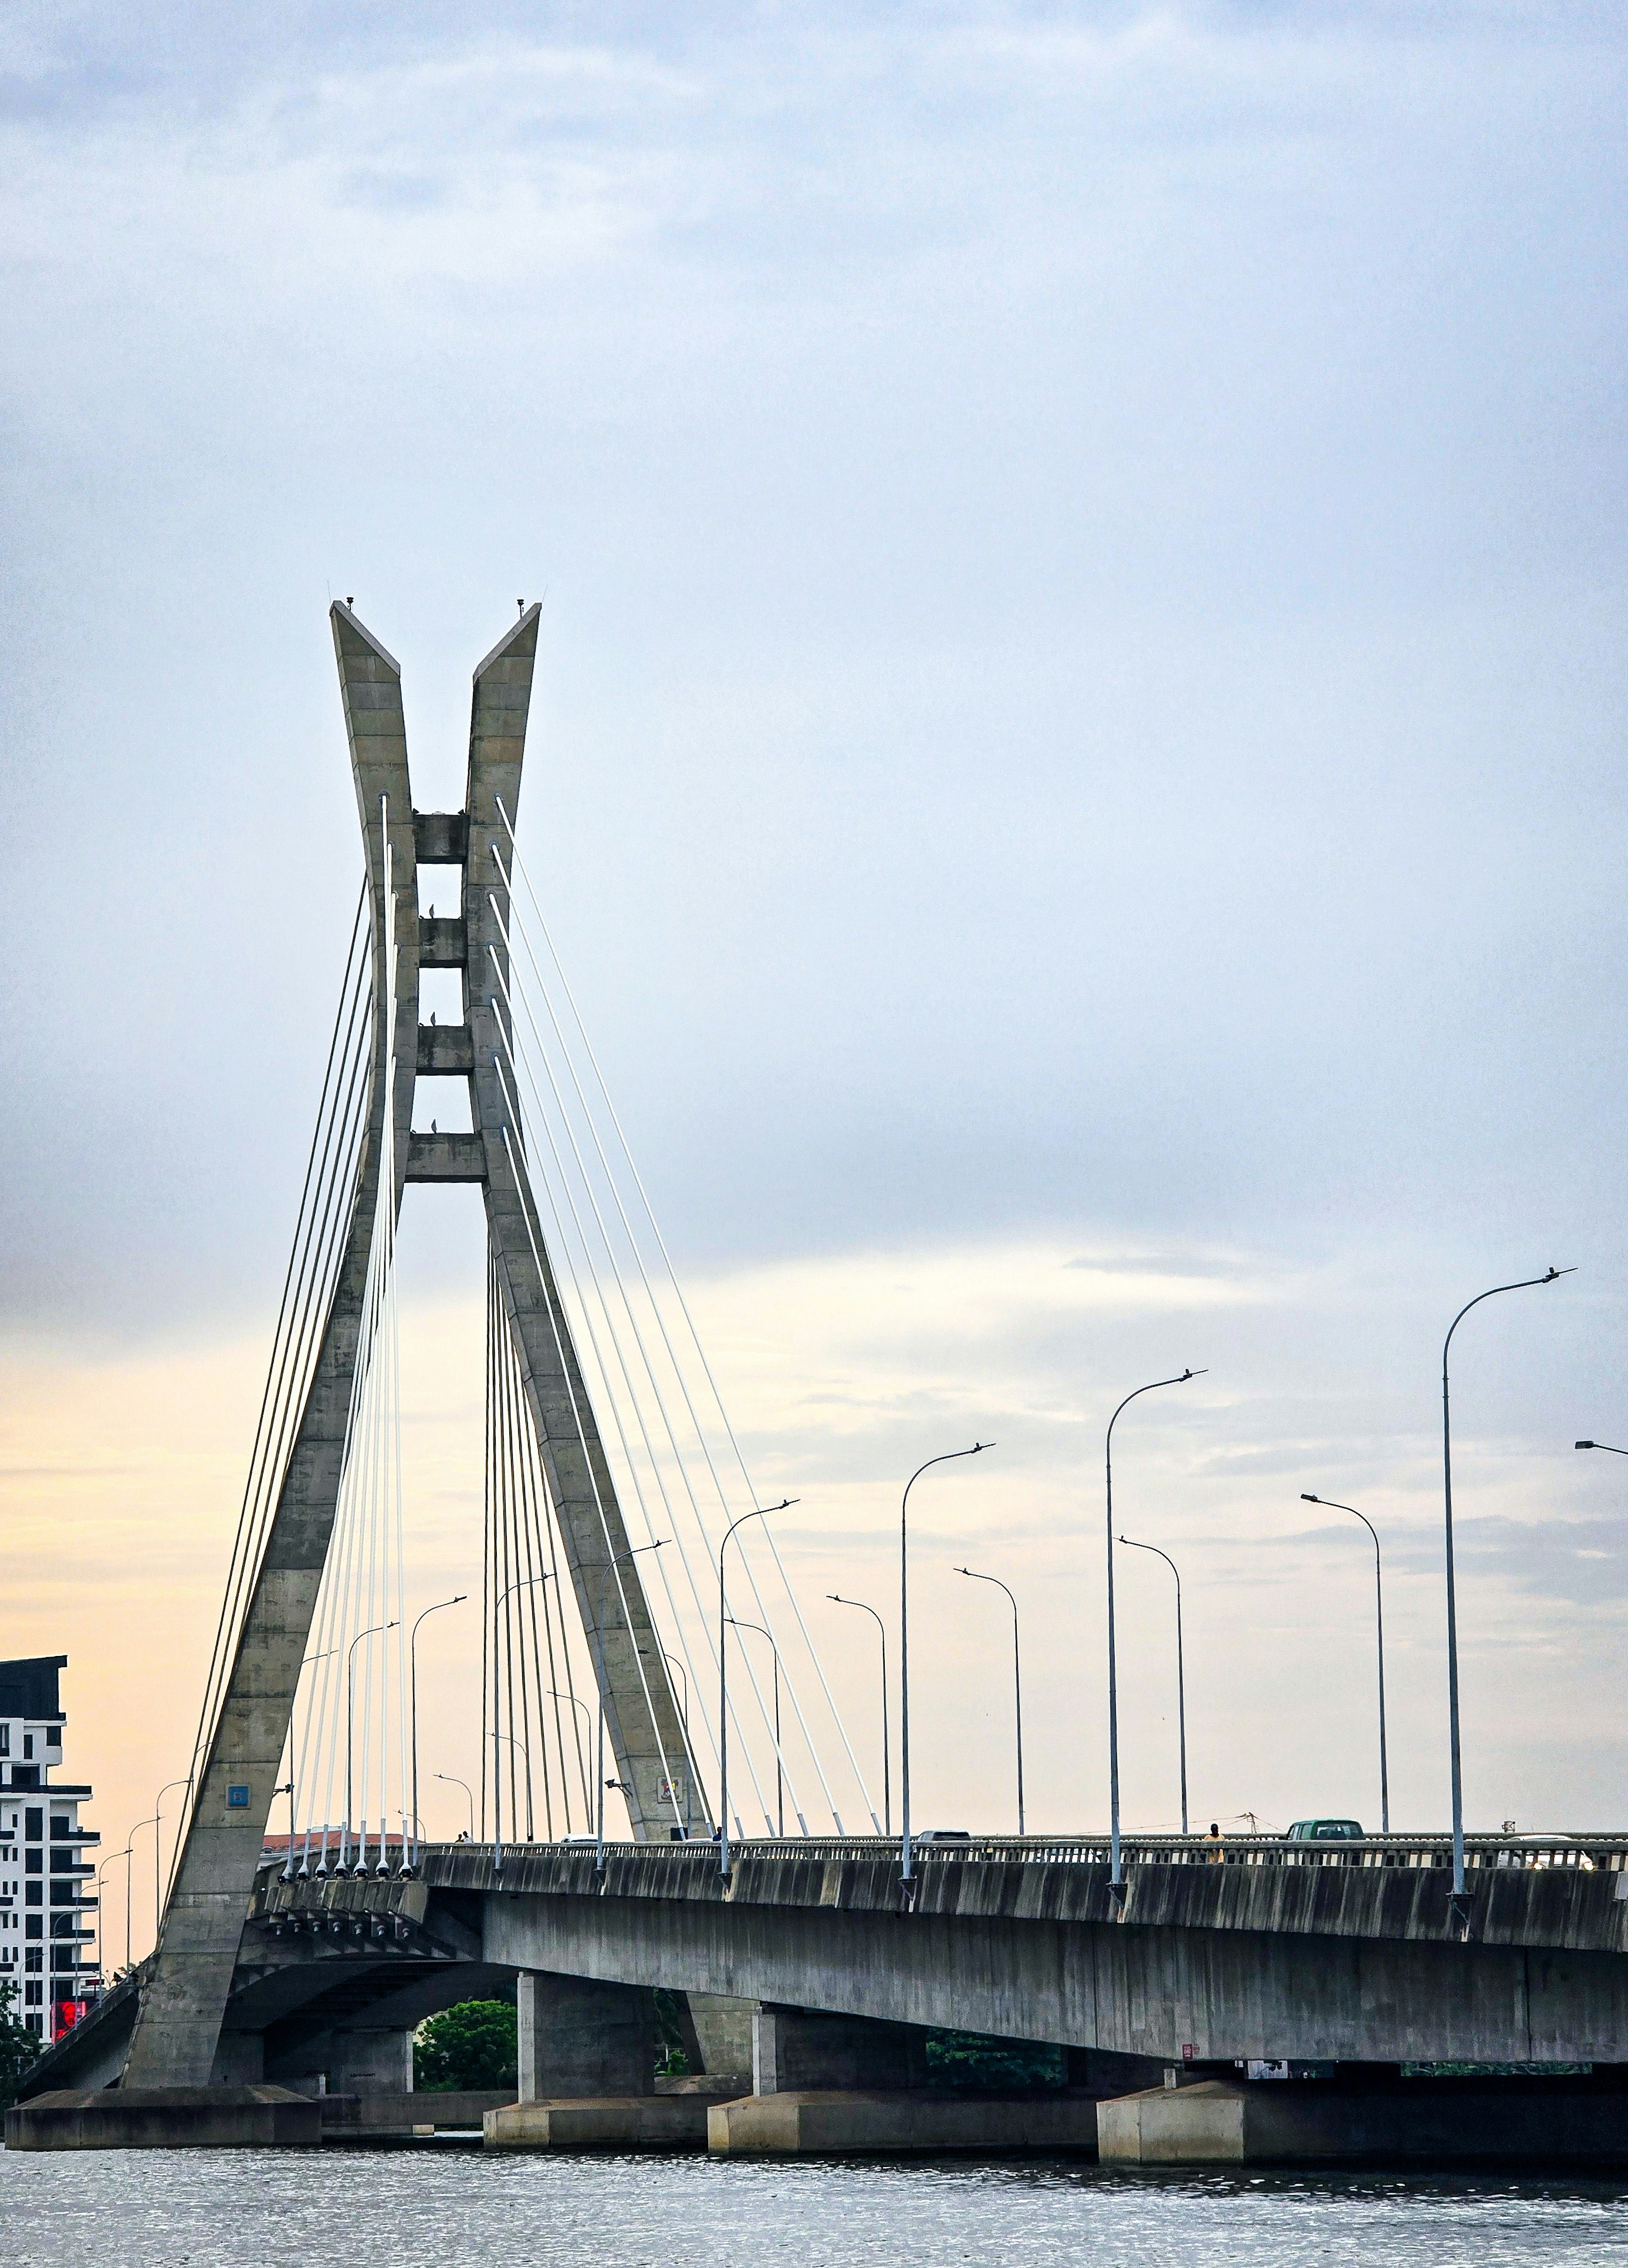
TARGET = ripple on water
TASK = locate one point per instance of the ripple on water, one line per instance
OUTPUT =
(216, 2209)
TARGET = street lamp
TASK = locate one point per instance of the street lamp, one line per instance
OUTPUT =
(948, 1457)
(453, 1779)
(1018, 1684)
(565, 1783)
(598, 1635)
(1379, 1625)
(1525, 1285)
(413, 1661)
(112, 1860)
(758, 1512)
(350, 1713)
(1116, 1881)
(1599, 1444)
(837, 1599)
(780, 1791)
(157, 1849)
(129, 1870)
(1181, 1676)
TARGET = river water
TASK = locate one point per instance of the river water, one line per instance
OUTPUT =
(446, 2205)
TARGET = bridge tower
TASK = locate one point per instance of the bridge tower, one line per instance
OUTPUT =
(178, 2026)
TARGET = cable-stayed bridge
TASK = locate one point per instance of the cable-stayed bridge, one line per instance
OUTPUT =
(612, 1474)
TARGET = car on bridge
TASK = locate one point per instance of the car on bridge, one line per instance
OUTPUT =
(1325, 1830)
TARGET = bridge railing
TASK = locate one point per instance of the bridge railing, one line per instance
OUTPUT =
(1585, 1853)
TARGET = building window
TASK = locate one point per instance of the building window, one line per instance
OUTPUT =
(33, 1862)
(5, 1740)
(34, 1924)
(33, 1959)
(29, 1748)
(35, 1994)
(33, 1824)
(36, 2024)
(60, 1826)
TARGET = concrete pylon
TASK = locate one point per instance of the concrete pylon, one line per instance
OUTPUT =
(178, 2027)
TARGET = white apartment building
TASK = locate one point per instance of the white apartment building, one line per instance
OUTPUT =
(46, 1917)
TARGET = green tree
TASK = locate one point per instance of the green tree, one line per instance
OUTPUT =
(472, 2045)
(19, 2046)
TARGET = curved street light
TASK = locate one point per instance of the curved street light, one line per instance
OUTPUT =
(837, 1599)
(948, 1458)
(1181, 1674)
(1116, 1881)
(413, 1659)
(453, 1780)
(758, 1512)
(1017, 1684)
(350, 1720)
(1525, 1285)
(1378, 1625)
(780, 1777)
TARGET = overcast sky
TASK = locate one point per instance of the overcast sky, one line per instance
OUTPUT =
(1078, 743)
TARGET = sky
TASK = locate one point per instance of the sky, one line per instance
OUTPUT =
(1077, 769)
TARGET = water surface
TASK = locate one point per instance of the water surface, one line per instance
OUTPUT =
(451, 2206)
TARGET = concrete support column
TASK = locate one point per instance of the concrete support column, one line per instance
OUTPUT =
(369, 2062)
(798, 2048)
(580, 2038)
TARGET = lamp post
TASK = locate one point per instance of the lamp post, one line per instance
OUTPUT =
(1379, 1627)
(413, 1680)
(112, 1860)
(564, 1780)
(453, 1780)
(1018, 1684)
(948, 1457)
(780, 1790)
(1525, 1285)
(350, 1714)
(599, 1634)
(1601, 1445)
(129, 1870)
(304, 1864)
(837, 1599)
(157, 1849)
(758, 1512)
(1116, 1881)
(1181, 1676)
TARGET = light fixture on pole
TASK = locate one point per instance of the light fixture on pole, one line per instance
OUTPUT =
(1379, 1626)
(621, 1559)
(129, 1870)
(780, 1778)
(948, 1457)
(1600, 1444)
(1181, 1674)
(1116, 1881)
(413, 1682)
(157, 1851)
(350, 1715)
(1460, 1894)
(758, 1512)
(837, 1599)
(1017, 1684)
(453, 1780)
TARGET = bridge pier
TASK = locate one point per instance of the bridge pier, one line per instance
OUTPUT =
(580, 2038)
(793, 2049)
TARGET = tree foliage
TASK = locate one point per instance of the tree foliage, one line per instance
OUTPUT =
(19, 2046)
(472, 2045)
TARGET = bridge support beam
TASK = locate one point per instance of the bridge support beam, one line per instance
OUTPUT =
(798, 2048)
(579, 2038)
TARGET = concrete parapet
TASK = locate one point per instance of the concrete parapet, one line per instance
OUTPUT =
(821, 2123)
(628, 2122)
(1315, 2122)
(165, 2118)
